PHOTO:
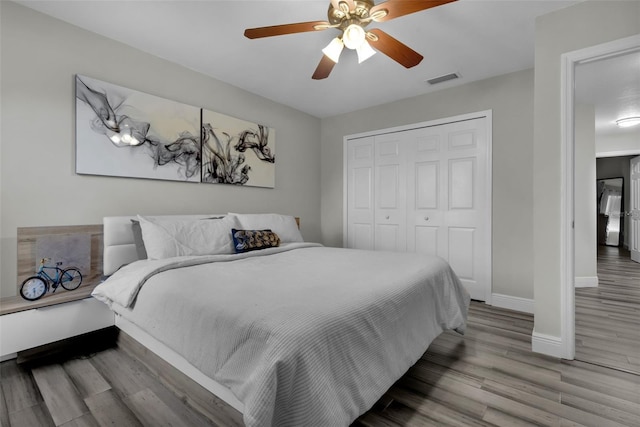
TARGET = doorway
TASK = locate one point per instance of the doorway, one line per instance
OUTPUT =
(607, 311)
(608, 315)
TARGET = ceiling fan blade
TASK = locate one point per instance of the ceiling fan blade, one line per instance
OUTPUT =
(280, 30)
(398, 8)
(394, 49)
(324, 68)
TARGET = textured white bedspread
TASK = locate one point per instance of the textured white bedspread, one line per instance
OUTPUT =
(303, 335)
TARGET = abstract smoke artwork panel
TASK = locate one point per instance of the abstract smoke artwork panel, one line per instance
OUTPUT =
(236, 151)
(127, 133)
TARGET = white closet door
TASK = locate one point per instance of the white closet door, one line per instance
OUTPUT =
(390, 193)
(447, 190)
(466, 209)
(360, 208)
(427, 190)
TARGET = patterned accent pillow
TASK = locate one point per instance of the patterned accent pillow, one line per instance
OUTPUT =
(252, 240)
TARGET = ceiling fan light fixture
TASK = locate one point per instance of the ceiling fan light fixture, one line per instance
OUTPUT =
(353, 36)
(379, 14)
(351, 17)
(334, 49)
(628, 122)
(364, 51)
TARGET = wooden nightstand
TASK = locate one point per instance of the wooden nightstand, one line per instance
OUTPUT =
(33, 327)
(59, 316)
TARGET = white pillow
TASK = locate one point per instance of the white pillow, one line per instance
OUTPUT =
(285, 226)
(166, 238)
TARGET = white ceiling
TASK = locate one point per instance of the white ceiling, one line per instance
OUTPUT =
(612, 85)
(477, 39)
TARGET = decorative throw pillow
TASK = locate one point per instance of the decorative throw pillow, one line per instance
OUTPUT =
(285, 226)
(253, 240)
(167, 237)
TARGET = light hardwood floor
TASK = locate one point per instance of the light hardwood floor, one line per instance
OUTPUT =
(608, 317)
(488, 377)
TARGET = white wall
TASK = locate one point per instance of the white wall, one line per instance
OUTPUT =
(511, 99)
(40, 57)
(586, 24)
(619, 144)
(585, 196)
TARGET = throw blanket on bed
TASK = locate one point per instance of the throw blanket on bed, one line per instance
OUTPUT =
(303, 335)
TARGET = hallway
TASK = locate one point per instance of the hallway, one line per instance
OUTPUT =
(608, 317)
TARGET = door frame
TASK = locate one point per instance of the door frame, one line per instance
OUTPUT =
(569, 61)
(488, 116)
(631, 204)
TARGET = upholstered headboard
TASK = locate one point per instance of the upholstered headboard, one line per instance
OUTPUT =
(119, 244)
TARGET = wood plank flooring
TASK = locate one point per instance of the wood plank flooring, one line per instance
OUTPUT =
(489, 377)
(608, 317)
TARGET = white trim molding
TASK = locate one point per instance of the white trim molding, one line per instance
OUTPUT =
(566, 342)
(524, 305)
(547, 344)
(586, 282)
(617, 153)
(9, 356)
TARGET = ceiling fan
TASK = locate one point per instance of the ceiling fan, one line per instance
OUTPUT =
(351, 17)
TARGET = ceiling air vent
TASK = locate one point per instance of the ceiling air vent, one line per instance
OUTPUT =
(442, 79)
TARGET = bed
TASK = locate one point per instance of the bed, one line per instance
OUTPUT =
(292, 334)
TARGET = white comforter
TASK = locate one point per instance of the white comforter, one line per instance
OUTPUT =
(303, 335)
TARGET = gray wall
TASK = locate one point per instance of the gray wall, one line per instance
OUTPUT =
(41, 55)
(511, 99)
(586, 24)
(585, 193)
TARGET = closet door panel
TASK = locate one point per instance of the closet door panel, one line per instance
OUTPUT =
(426, 240)
(390, 192)
(462, 177)
(426, 191)
(360, 195)
(466, 222)
(388, 237)
(361, 236)
(461, 252)
(446, 188)
(388, 186)
(427, 185)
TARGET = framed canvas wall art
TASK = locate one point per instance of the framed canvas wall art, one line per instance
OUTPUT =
(124, 132)
(236, 151)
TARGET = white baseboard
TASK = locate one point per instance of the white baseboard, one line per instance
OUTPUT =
(586, 282)
(9, 356)
(512, 303)
(546, 344)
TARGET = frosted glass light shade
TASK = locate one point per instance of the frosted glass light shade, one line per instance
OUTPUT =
(353, 36)
(364, 51)
(334, 49)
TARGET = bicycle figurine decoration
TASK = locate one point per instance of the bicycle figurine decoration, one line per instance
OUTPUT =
(36, 286)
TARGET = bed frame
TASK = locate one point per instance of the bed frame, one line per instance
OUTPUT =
(119, 249)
